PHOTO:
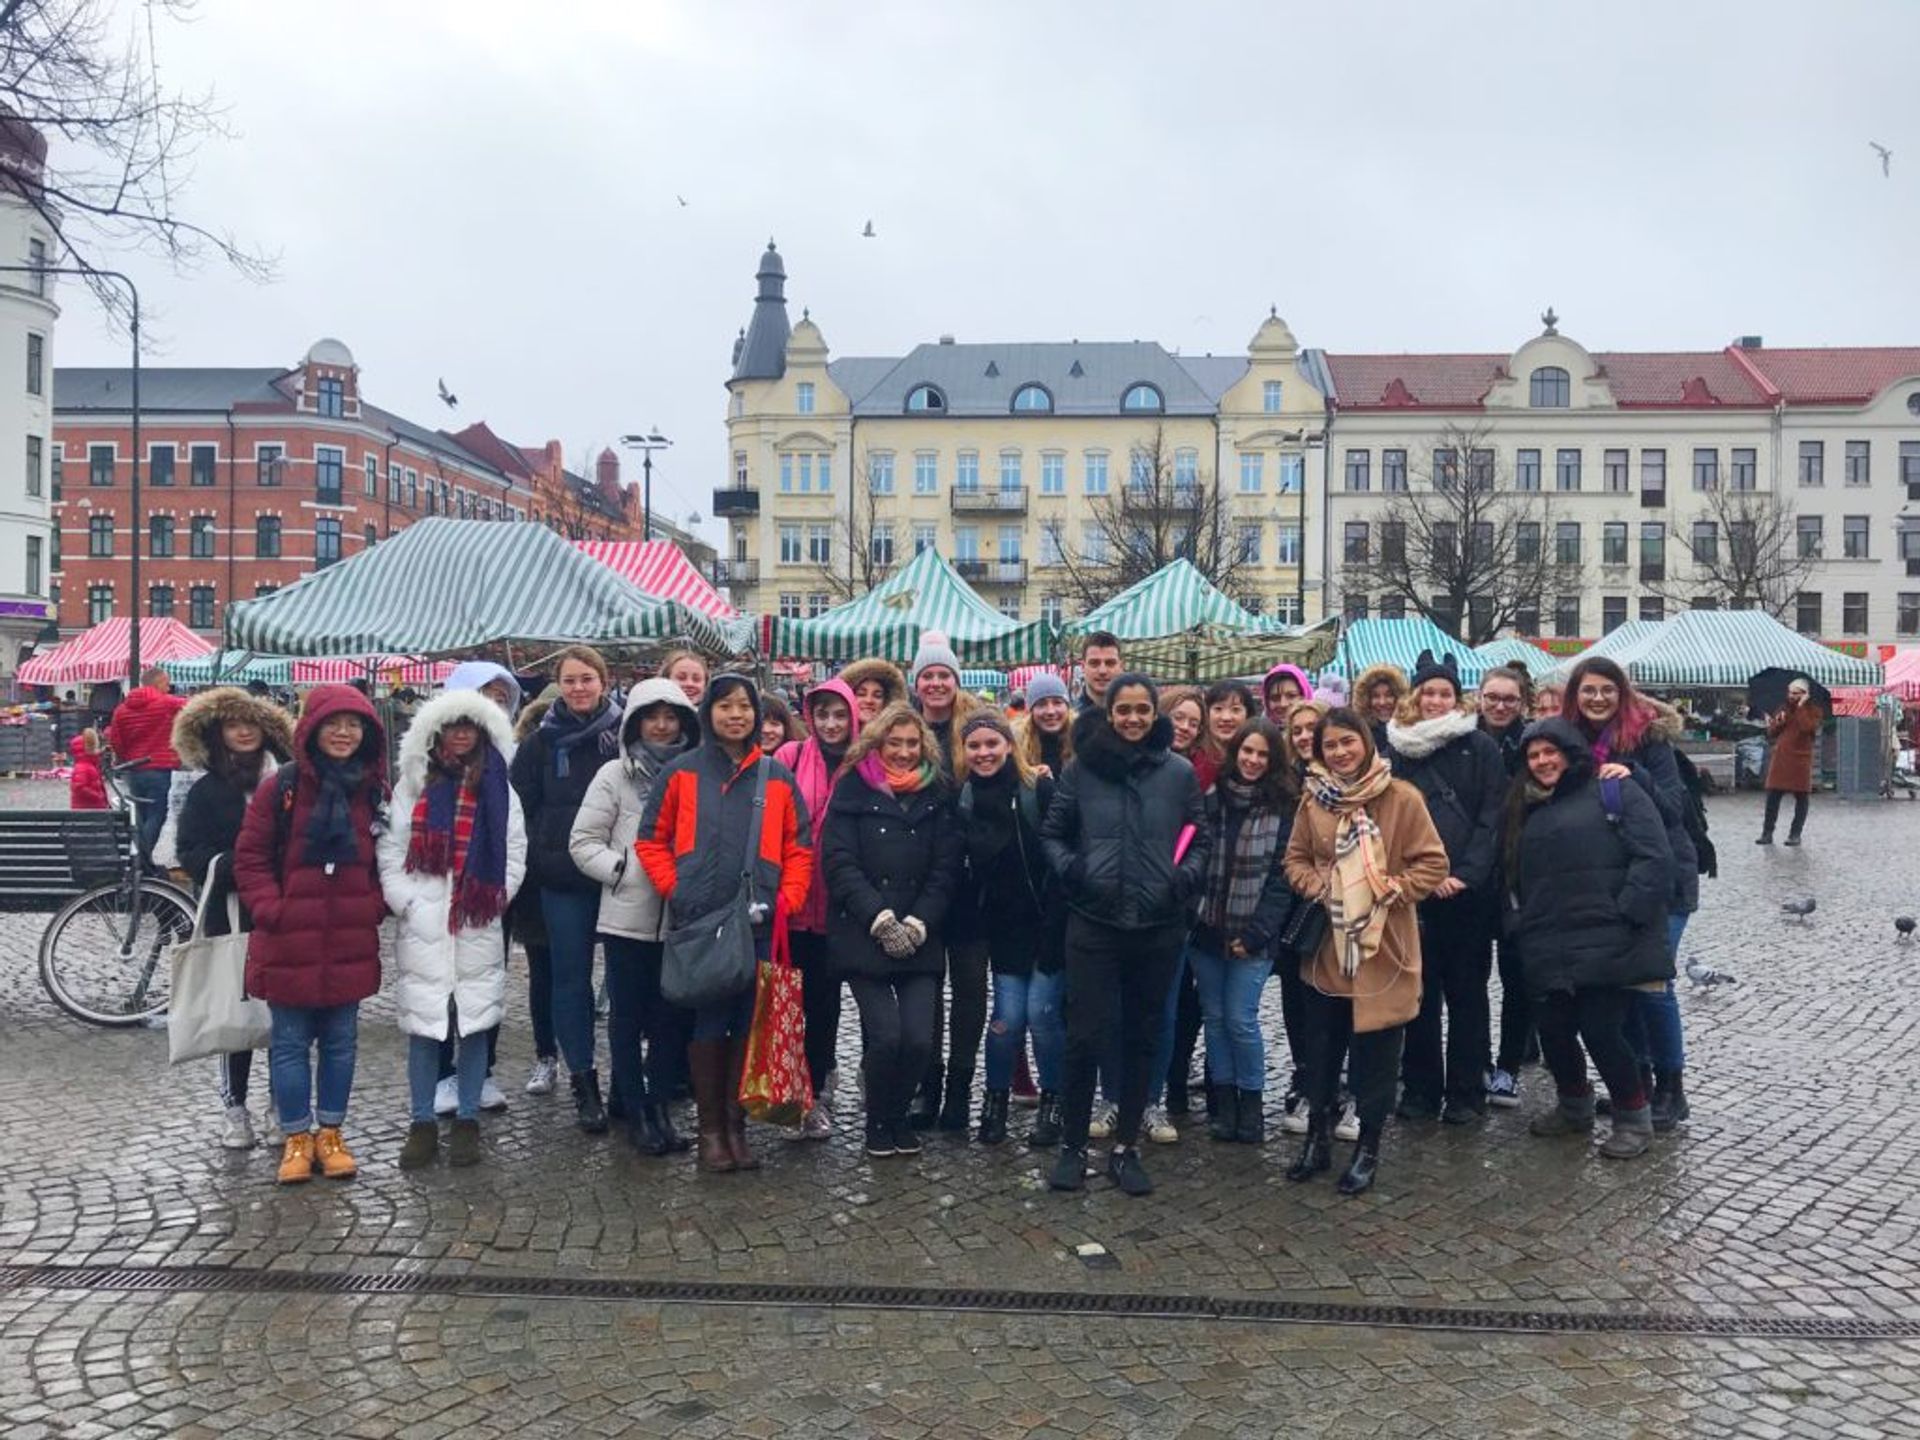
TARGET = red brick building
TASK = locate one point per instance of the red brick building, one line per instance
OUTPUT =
(252, 478)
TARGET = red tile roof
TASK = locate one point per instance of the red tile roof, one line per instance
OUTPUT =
(1838, 376)
(1668, 377)
(1450, 382)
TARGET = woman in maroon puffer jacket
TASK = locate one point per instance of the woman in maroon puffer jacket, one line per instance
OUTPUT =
(305, 868)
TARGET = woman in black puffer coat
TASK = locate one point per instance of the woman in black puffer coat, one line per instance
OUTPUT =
(891, 852)
(1588, 868)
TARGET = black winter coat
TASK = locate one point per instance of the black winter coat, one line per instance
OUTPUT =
(1016, 903)
(888, 852)
(1464, 782)
(550, 802)
(209, 826)
(1589, 903)
(1115, 821)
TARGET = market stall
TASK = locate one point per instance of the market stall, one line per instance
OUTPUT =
(661, 569)
(105, 652)
(1400, 642)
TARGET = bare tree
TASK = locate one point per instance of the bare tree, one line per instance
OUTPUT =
(1161, 510)
(1457, 545)
(1743, 553)
(87, 72)
(865, 536)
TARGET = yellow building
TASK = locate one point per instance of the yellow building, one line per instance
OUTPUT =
(1032, 466)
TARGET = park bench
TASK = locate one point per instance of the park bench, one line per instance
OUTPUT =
(49, 856)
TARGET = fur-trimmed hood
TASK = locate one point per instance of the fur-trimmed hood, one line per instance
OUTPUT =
(193, 727)
(1423, 737)
(1668, 723)
(885, 671)
(436, 715)
(1372, 675)
(1096, 746)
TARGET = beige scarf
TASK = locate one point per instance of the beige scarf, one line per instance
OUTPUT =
(1358, 885)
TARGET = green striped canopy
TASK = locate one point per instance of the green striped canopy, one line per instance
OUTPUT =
(440, 587)
(1220, 652)
(1512, 650)
(1399, 642)
(1722, 650)
(926, 594)
(1173, 600)
(230, 667)
(1617, 645)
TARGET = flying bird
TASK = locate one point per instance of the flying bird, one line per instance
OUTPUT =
(1699, 974)
(1904, 924)
(683, 201)
(447, 396)
(1886, 157)
(867, 234)
(1800, 909)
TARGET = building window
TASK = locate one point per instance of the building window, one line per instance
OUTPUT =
(200, 607)
(269, 464)
(1653, 477)
(1053, 473)
(1743, 470)
(1393, 471)
(1653, 607)
(1142, 399)
(966, 472)
(1526, 542)
(200, 537)
(791, 545)
(1549, 388)
(1526, 470)
(160, 536)
(926, 473)
(160, 460)
(925, 534)
(1010, 470)
(1853, 612)
(1706, 542)
(1354, 542)
(1286, 609)
(1053, 611)
(201, 460)
(160, 602)
(1010, 544)
(820, 544)
(1910, 467)
(1287, 549)
(1566, 542)
(1613, 543)
(329, 474)
(1613, 613)
(1393, 542)
(265, 587)
(36, 364)
(100, 537)
(1093, 544)
(1050, 544)
(739, 469)
(36, 450)
(1446, 468)
(330, 397)
(1032, 400)
(1742, 548)
(1247, 543)
(818, 603)
(1353, 607)
(99, 604)
(1907, 612)
(1566, 469)
(1251, 466)
(1270, 393)
(37, 258)
(786, 474)
(879, 473)
(394, 492)
(100, 464)
(1613, 465)
(33, 564)
(266, 537)
(1526, 615)
(1813, 463)
(1807, 532)
(966, 543)
(1480, 469)
(59, 477)
(880, 547)
(370, 485)
(803, 397)
(789, 605)
(1653, 550)
(1446, 542)
(1096, 472)
(1359, 471)
(1806, 612)
(1186, 469)
(55, 538)
(413, 489)
(926, 400)
(1855, 531)
(823, 473)
(1293, 474)
(1859, 462)
(326, 541)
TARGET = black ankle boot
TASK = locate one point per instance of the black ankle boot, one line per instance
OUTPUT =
(993, 1117)
(1223, 1106)
(1669, 1100)
(925, 1110)
(590, 1111)
(653, 1132)
(953, 1114)
(1252, 1126)
(1316, 1151)
(1046, 1123)
(1365, 1163)
(1177, 1100)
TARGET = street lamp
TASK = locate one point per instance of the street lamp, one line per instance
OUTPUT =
(133, 326)
(646, 445)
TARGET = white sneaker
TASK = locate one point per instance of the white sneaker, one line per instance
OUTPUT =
(1503, 1090)
(540, 1079)
(236, 1131)
(1157, 1127)
(491, 1096)
(1348, 1126)
(446, 1096)
(1100, 1126)
(270, 1135)
(1293, 1114)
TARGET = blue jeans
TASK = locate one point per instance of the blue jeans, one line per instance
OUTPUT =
(469, 1070)
(571, 917)
(297, 1031)
(150, 787)
(1022, 1003)
(1163, 1042)
(1230, 1009)
(1653, 1020)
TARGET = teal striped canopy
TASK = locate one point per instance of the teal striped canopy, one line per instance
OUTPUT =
(1399, 642)
(1174, 599)
(230, 667)
(1222, 652)
(886, 622)
(440, 587)
(1512, 650)
(1617, 645)
(1721, 650)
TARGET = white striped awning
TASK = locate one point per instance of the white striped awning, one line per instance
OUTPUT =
(104, 652)
(1723, 650)
(1512, 650)
(1400, 643)
(1174, 599)
(887, 622)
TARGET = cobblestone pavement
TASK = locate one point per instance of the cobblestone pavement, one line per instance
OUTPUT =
(1790, 1196)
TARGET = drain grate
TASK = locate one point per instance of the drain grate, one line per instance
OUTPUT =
(1122, 1305)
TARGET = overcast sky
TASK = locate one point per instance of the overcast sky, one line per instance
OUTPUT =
(486, 190)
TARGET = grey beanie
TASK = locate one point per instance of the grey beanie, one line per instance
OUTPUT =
(1046, 686)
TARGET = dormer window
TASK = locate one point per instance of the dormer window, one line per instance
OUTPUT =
(926, 400)
(1549, 389)
(1032, 400)
(1142, 400)
(330, 397)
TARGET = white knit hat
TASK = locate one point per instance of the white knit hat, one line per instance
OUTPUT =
(933, 650)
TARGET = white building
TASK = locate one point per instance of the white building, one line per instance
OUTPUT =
(27, 315)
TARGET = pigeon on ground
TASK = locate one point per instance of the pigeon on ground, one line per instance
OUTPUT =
(1904, 924)
(1800, 909)
(1699, 974)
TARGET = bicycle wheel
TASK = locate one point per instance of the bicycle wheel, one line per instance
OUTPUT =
(103, 958)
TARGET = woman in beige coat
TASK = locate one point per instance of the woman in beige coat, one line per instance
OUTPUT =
(1364, 847)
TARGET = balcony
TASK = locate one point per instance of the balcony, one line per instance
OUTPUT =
(736, 572)
(1160, 499)
(732, 503)
(992, 572)
(1005, 500)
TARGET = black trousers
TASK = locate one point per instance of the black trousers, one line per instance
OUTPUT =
(1516, 1009)
(1373, 1059)
(1117, 984)
(636, 1013)
(1186, 1030)
(896, 1028)
(1456, 962)
(1800, 803)
(820, 997)
(1293, 1019)
(966, 983)
(1597, 1017)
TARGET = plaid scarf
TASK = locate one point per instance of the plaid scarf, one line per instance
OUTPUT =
(461, 830)
(1358, 881)
(1237, 873)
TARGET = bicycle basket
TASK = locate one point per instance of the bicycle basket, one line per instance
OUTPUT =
(96, 846)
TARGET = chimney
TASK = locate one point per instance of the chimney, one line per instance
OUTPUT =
(946, 339)
(1750, 342)
(606, 472)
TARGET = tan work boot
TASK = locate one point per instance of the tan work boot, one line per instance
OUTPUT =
(330, 1154)
(296, 1161)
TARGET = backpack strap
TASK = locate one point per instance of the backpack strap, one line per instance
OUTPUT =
(1611, 800)
(285, 781)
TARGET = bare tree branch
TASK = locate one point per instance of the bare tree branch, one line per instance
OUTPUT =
(854, 536)
(1749, 560)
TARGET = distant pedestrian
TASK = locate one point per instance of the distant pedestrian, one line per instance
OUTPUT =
(1794, 730)
(86, 786)
(1506, 698)
(142, 729)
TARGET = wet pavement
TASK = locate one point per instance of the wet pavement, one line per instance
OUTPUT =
(1758, 1273)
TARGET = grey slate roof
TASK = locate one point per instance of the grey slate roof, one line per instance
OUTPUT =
(178, 390)
(1108, 369)
(762, 354)
(1215, 374)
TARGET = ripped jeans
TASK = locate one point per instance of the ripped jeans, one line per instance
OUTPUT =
(1022, 1003)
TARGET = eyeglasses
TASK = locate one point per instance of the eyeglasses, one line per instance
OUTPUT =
(1598, 692)
(1502, 700)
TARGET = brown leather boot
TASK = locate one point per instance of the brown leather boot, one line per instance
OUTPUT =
(330, 1154)
(743, 1156)
(706, 1067)
(296, 1161)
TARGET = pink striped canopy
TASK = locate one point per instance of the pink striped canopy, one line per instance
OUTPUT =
(389, 669)
(1022, 676)
(660, 568)
(102, 653)
(1903, 673)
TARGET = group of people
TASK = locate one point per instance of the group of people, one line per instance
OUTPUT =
(1072, 893)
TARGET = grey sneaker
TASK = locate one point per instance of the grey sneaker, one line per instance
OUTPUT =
(446, 1096)
(1347, 1127)
(1157, 1127)
(540, 1079)
(270, 1134)
(1632, 1134)
(816, 1124)
(491, 1097)
(1293, 1114)
(236, 1130)
(1100, 1127)
(1503, 1090)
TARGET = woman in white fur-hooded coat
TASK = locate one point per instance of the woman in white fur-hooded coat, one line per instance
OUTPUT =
(437, 957)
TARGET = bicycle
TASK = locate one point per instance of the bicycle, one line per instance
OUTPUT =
(103, 956)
